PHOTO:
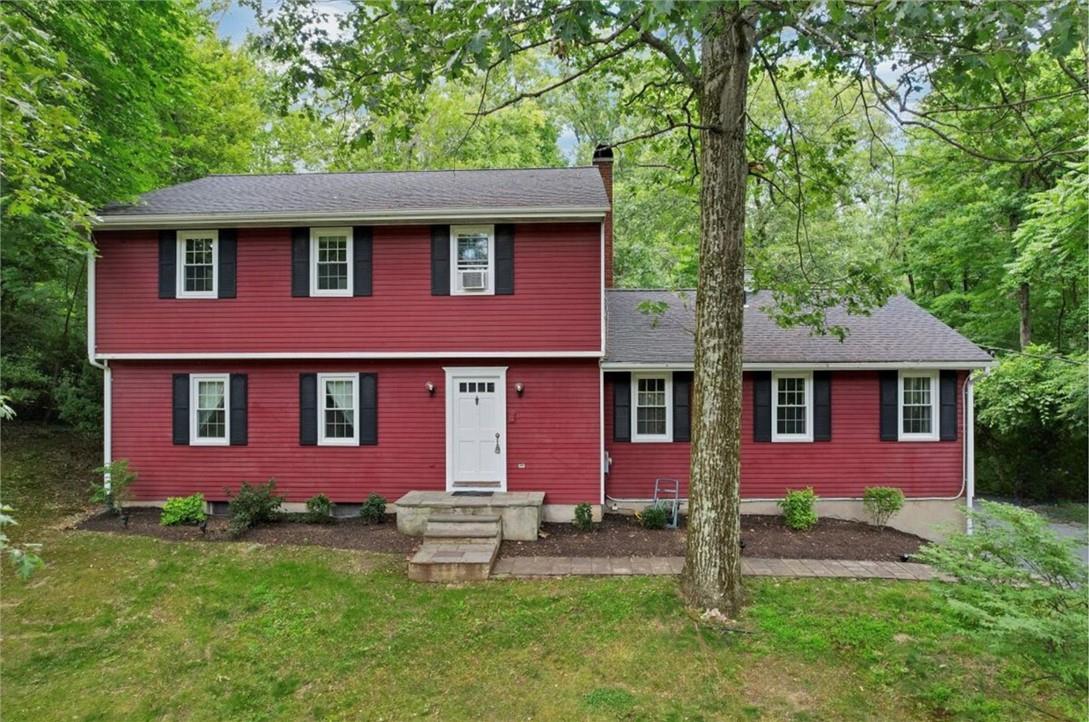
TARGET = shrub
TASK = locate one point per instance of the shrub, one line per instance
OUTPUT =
(252, 505)
(584, 516)
(797, 506)
(1021, 589)
(882, 502)
(183, 510)
(319, 510)
(116, 493)
(654, 517)
(373, 510)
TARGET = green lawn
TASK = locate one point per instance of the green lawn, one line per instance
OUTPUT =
(120, 628)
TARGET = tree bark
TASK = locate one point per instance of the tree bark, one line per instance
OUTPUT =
(712, 569)
(1025, 310)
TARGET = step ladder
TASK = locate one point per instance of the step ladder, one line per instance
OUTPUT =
(667, 493)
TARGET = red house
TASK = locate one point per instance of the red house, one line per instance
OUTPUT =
(458, 331)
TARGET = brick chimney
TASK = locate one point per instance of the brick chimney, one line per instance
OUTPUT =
(603, 159)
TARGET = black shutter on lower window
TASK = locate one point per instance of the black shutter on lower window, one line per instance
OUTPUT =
(228, 263)
(240, 435)
(948, 405)
(682, 394)
(168, 264)
(504, 259)
(440, 260)
(308, 409)
(761, 406)
(368, 409)
(822, 406)
(300, 262)
(363, 260)
(180, 414)
(621, 406)
(890, 412)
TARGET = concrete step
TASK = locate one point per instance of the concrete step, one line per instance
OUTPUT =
(461, 560)
(463, 526)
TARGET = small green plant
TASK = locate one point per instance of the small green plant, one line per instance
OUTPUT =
(24, 558)
(882, 502)
(584, 516)
(319, 510)
(183, 510)
(798, 511)
(653, 517)
(373, 510)
(113, 486)
(253, 504)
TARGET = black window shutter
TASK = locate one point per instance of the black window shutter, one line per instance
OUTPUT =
(682, 418)
(181, 409)
(890, 392)
(822, 406)
(308, 409)
(300, 262)
(504, 259)
(240, 435)
(168, 264)
(440, 260)
(621, 406)
(761, 406)
(368, 409)
(948, 405)
(363, 260)
(228, 263)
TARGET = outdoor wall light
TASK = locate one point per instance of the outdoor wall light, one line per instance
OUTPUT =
(430, 389)
(520, 387)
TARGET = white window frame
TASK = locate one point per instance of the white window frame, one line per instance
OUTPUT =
(935, 405)
(315, 233)
(335, 441)
(182, 240)
(472, 230)
(636, 437)
(807, 376)
(194, 395)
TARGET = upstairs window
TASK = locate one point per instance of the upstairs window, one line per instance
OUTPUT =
(473, 251)
(338, 422)
(198, 267)
(792, 409)
(331, 261)
(652, 401)
(208, 418)
(918, 406)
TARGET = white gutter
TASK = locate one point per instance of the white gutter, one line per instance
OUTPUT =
(830, 365)
(969, 448)
(372, 355)
(257, 220)
(107, 376)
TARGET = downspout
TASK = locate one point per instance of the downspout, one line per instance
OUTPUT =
(969, 448)
(107, 376)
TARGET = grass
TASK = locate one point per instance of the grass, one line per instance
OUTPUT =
(130, 628)
(1071, 512)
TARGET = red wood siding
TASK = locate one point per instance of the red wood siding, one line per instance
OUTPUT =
(552, 429)
(854, 459)
(556, 304)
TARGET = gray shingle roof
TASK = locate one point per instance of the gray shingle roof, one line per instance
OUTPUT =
(361, 193)
(900, 331)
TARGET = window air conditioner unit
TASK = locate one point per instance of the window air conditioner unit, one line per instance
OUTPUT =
(473, 280)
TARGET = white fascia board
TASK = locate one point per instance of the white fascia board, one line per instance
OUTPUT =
(831, 366)
(374, 355)
(259, 220)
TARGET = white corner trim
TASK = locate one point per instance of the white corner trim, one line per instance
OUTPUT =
(320, 355)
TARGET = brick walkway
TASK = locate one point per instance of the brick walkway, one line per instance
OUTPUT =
(627, 566)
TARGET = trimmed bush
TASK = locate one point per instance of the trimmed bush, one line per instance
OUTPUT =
(798, 511)
(584, 516)
(252, 505)
(654, 517)
(183, 510)
(882, 502)
(373, 510)
(319, 510)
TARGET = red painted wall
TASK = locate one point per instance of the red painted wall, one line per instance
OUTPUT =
(552, 429)
(854, 459)
(556, 304)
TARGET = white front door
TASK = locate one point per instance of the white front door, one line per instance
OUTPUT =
(476, 429)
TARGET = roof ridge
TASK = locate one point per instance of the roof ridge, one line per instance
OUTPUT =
(388, 172)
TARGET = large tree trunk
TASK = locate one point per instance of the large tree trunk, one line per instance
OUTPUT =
(1025, 311)
(712, 569)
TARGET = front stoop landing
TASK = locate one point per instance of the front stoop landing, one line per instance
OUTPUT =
(519, 510)
(457, 548)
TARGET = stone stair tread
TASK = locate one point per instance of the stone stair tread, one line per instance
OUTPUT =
(463, 518)
(453, 560)
(462, 531)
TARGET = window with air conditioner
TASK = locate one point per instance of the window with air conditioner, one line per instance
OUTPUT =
(473, 252)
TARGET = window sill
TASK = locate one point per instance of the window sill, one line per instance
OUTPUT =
(791, 439)
(914, 439)
(202, 295)
(652, 440)
(330, 294)
(338, 442)
(210, 442)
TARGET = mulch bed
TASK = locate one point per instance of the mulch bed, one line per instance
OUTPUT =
(764, 536)
(616, 536)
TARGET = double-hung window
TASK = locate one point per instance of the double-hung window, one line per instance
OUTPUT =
(198, 264)
(652, 402)
(331, 261)
(918, 417)
(472, 249)
(792, 407)
(338, 409)
(209, 422)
